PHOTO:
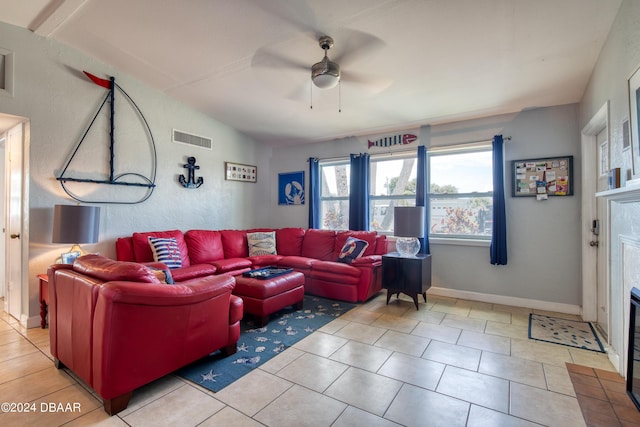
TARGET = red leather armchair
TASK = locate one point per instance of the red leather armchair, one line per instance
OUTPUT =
(118, 327)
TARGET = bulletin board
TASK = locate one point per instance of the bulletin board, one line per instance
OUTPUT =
(543, 177)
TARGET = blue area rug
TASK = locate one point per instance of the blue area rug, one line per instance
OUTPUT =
(571, 333)
(257, 345)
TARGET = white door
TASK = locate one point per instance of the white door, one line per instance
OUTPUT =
(599, 234)
(14, 200)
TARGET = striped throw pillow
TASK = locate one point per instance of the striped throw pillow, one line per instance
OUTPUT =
(166, 251)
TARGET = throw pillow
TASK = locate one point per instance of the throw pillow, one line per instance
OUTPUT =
(163, 275)
(166, 251)
(262, 243)
(353, 248)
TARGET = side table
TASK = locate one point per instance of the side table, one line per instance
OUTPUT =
(409, 275)
(44, 299)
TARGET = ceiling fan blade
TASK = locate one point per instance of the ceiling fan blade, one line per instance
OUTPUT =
(354, 44)
(372, 83)
(271, 59)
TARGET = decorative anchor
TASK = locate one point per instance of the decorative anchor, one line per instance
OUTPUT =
(191, 182)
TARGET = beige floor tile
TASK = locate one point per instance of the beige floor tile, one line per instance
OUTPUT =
(455, 355)
(477, 305)
(314, 372)
(489, 314)
(545, 407)
(365, 390)
(359, 332)
(253, 392)
(97, 418)
(483, 390)
(539, 351)
(591, 358)
(484, 417)
(427, 316)
(301, 407)
(437, 332)
(321, 344)
(404, 343)
(34, 386)
(37, 336)
(183, 406)
(461, 322)
(334, 325)
(513, 309)
(274, 364)
(400, 324)
(507, 330)
(520, 319)
(150, 392)
(513, 368)
(413, 370)
(396, 307)
(229, 417)
(354, 417)
(493, 343)
(363, 356)
(558, 379)
(10, 335)
(23, 365)
(414, 406)
(17, 348)
(451, 309)
(361, 315)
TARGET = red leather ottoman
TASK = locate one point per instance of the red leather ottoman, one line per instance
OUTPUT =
(263, 297)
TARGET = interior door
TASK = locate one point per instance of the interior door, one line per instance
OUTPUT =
(14, 200)
(599, 234)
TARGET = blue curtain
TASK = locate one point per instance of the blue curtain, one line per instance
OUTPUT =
(499, 234)
(314, 191)
(422, 196)
(359, 192)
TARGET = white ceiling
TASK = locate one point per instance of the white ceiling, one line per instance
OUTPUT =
(418, 62)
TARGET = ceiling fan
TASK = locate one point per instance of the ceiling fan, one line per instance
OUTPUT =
(327, 73)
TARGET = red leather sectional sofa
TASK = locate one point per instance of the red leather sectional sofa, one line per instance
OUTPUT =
(312, 252)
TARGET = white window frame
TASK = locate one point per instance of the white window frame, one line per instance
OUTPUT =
(325, 198)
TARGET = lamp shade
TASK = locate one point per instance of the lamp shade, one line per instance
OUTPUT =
(408, 221)
(75, 224)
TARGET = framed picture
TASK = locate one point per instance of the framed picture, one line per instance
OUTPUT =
(69, 257)
(291, 188)
(542, 177)
(240, 172)
(604, 158)
(634, 97)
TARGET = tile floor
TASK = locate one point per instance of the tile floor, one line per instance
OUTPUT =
(452, 363)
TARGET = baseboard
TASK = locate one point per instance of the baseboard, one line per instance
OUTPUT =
(505, 300)
(31, 322)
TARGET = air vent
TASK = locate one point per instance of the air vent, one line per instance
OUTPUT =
(188, 138)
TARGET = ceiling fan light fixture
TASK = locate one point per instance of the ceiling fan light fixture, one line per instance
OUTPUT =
(325, 74)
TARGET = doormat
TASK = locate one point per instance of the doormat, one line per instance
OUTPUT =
(257, 345)
(571, 333)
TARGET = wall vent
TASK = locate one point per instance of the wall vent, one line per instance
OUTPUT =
(191, 139)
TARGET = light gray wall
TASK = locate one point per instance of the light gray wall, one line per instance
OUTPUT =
(543, 237)
(59, 101)
(619, 58)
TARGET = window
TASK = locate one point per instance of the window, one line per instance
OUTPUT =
(334, 194)
(392, 182)
(461, 191)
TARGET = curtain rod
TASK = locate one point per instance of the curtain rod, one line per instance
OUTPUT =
(330, 159)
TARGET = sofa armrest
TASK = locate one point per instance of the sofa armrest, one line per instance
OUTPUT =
(368, 261)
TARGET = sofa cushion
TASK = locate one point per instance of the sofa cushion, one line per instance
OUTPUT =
(265, 260)
(234, 244)
(232, 265)
(166, 251)
(353, 248)
(319, 244)
(289, 241)
(193, 272)
(261, 243)
(205, 246)
(109, 270)
(367, 236)
(142, 249)
(335, 270)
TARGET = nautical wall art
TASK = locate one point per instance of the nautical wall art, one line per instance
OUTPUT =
(191, 181)
(96, 170)
(239, 172)
(395, 141)
(291, 188)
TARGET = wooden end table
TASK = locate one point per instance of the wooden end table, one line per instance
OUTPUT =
(44, 299)
(409, 275)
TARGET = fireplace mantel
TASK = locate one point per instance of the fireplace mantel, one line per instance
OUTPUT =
(628, 194)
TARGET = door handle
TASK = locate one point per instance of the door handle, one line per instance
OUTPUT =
(593, 243)
(15, 236)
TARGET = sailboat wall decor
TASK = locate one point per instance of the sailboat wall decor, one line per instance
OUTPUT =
(78, 176)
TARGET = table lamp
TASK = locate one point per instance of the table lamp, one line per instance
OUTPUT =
(76, 224)
(408, 225)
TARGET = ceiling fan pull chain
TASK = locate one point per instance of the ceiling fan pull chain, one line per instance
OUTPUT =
(311, 95)
(339, 96)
